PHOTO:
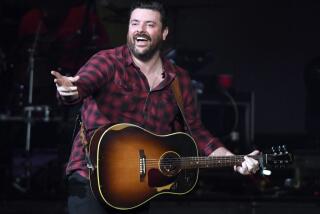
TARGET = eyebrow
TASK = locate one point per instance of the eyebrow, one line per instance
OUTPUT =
(136, 20)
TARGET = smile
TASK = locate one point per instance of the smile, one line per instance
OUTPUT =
(140, 38)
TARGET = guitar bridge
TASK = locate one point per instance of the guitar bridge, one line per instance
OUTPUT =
(142, 164)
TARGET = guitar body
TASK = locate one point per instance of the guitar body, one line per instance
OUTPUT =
(133, 165)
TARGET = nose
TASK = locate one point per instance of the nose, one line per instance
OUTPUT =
(141, 28)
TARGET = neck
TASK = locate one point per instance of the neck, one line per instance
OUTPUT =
(149, 66)
(214, 162)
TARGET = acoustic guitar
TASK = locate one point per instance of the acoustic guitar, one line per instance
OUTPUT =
(130, 165)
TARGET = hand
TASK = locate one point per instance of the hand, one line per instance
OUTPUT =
(65, 85)
(249, 165)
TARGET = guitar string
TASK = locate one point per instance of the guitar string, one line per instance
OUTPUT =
(225, 158)
(184, 161)
(198, 161)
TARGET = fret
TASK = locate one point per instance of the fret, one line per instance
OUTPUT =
(212, 162)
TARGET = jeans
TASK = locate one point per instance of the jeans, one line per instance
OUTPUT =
(82, 201)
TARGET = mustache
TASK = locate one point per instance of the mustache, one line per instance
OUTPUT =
(143, 35)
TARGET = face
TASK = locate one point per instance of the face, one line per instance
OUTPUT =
(145, 33)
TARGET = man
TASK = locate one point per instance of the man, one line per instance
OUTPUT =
(131, 84)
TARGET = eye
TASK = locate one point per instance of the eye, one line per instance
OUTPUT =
(151, 24)
(134, 23)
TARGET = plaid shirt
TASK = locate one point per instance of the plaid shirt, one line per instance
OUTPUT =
(114, 90)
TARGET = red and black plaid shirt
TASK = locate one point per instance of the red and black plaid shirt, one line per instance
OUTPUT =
(114, 90)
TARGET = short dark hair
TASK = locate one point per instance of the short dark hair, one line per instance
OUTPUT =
(151, 5)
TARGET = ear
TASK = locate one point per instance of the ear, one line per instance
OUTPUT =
(165, 33)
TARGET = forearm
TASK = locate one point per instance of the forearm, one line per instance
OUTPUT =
(221, 151)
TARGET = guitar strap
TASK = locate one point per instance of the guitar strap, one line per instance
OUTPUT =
(86, 145)
(175, 86)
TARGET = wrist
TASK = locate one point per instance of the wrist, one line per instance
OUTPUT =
(221, 151)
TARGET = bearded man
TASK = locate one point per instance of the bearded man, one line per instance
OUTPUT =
(131, 84)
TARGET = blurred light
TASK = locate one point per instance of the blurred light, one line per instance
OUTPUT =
(266, 172)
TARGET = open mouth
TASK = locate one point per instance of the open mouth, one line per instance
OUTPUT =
(141, 39)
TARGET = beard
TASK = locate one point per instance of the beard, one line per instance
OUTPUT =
(149, 51)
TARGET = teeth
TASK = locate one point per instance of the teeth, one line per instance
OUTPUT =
(141, 39)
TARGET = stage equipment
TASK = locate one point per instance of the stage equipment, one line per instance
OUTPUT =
(230, 116)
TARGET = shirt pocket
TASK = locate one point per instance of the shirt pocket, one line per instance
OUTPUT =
(126, 97)
(166, 107)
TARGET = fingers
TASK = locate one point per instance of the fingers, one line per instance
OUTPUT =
(59, 79)
(255, 152)
(252, 164)
(65, 86)
(68, 93)
(249, 165)
(74, 79)
(56, 74)
(243, 169)
(65, 81)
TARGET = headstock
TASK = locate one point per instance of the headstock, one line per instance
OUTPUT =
(279, 158)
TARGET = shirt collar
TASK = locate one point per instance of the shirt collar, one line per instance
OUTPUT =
(127, 55)
(168, 67)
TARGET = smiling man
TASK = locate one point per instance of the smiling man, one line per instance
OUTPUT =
(146, 34)
(131, 84)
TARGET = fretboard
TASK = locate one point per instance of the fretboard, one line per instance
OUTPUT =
(213, 162)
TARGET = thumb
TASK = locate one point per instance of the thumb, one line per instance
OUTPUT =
(74, 79)
(255, 152)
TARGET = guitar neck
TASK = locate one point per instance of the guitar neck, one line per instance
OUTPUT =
(215, 162)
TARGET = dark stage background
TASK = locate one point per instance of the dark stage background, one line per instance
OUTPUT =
(255, 66)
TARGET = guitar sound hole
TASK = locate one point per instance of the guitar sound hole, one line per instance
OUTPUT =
(170, 164)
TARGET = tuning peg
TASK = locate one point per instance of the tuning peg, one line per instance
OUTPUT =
(273, 150)
(284, 149)
(280, 148)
